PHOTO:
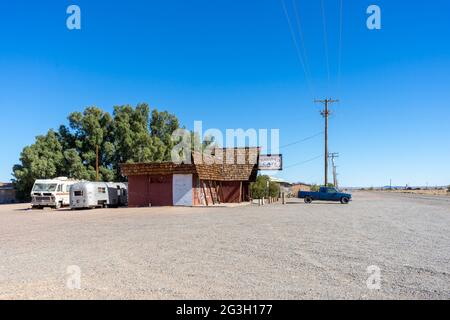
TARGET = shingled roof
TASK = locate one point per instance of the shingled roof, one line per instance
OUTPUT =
(225, 164)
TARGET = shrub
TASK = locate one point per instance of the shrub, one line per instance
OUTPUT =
(259, 188)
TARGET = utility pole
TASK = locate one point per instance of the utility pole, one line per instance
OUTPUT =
(333, 156)
(325, 113)
(96, 162)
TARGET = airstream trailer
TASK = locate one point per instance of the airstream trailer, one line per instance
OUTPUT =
(85, 195)
(52, 193)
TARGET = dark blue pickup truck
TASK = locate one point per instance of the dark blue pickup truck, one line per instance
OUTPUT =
(325, 194)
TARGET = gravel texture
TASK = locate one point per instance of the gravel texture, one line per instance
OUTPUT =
(295, 251)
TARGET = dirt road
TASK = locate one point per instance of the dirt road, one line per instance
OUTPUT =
(295, 251)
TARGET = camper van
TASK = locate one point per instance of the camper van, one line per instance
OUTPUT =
(52, 193)
(84, 195)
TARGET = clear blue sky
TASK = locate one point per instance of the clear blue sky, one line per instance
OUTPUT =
(233, 64)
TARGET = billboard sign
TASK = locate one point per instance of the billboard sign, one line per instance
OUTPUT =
(270, 162)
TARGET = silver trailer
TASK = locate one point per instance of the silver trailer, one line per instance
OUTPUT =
(86, 194)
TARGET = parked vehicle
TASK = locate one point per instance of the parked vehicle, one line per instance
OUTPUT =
(325, 194)
(52, 193)
(84, 195)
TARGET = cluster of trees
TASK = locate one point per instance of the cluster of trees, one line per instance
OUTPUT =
(130, 134)
(263, 187)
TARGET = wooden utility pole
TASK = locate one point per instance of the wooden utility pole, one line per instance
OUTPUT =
(96, 162)
(325, 113)
(333, 156)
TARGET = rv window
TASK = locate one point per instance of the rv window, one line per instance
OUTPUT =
(78, 193)
(44, 187)
(59, 188)
(101, 190)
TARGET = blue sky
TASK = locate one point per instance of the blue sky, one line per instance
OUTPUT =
(233, 64)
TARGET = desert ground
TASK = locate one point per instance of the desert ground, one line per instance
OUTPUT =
(292, 251)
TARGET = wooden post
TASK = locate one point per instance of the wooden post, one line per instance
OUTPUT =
(216, 187)
(240, 192)
(210, 191)
(204, 191)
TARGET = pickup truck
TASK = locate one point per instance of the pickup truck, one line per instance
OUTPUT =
(325, 194)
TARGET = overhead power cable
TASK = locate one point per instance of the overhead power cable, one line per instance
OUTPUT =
(325, 39)
(303, 162)
(301, 37)
(297, 48)
(302, 140)
(340, 44)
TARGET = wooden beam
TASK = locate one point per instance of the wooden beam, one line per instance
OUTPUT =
(210, 191)
(204, 191)
(240, 192)
(216, 185)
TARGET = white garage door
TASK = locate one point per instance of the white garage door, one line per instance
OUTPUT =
(182, 189)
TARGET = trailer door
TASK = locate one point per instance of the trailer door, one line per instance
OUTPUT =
(182, 189)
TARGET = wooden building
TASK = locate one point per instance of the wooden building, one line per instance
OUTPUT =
(7, 193)
(223, 177)
(299, 186)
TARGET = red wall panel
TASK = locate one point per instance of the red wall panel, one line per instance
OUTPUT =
(145, 190)
(231, 191)
(160, 190)
(138, 191)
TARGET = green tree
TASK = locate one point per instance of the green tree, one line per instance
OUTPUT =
(259, 188)
(130, 135)
(86, 131)
(42, 160)
(139, 138)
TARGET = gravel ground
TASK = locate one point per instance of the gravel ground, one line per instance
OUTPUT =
(295, 251)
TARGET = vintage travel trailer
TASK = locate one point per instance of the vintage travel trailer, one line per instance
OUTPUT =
(84, 195)
(52, 193)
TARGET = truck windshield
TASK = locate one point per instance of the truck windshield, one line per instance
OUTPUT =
(45, 187)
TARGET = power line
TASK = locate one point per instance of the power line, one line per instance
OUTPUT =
(303, 162)
(325, 39)
(340, 44)
(301, 36)
(297, 49)
(302, 140)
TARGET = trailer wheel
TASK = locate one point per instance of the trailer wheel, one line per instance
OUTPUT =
(308, 200)
(344, 200)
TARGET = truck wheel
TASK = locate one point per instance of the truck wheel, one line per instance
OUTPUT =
(58, 205)
(344, 200)
(308, 200)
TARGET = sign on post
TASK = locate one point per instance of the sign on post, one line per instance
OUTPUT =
(270, 162)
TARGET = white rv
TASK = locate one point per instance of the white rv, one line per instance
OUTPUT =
(51, 193)
(85, 195)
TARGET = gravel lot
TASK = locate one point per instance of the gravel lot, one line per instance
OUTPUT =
(296, 251)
